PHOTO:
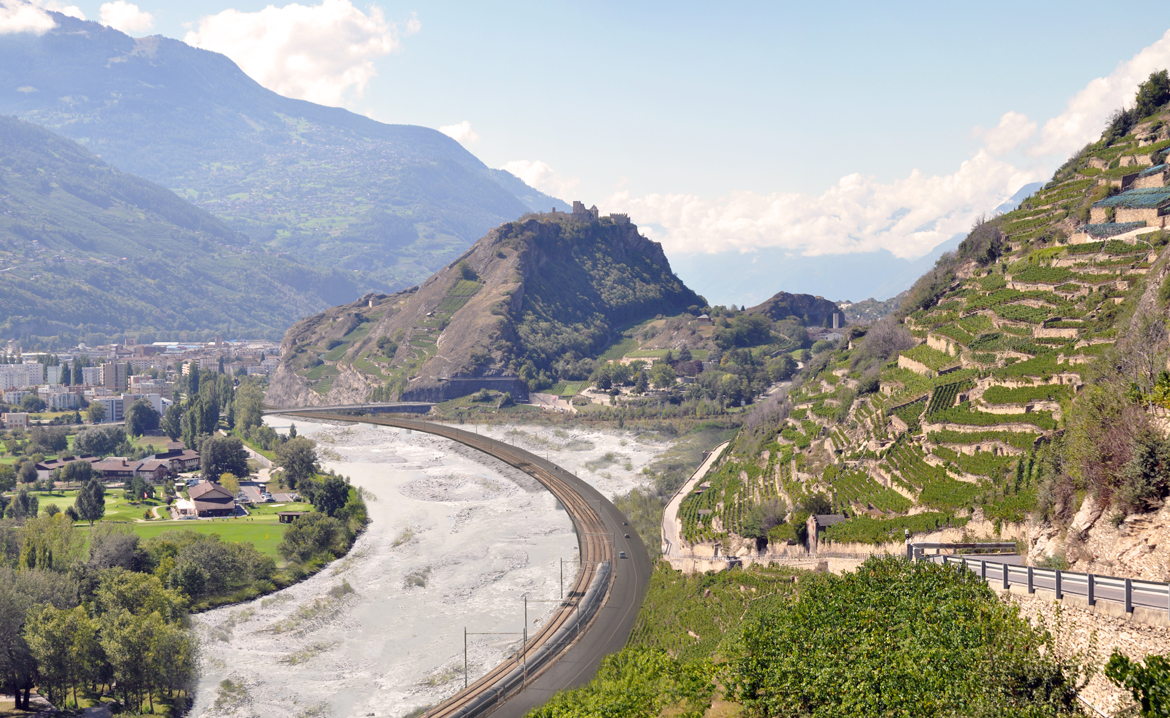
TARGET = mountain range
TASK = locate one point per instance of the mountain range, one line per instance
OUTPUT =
(88, 252)
(388, 203)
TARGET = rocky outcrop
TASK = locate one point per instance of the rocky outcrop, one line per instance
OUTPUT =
(528, 295)
(808, 310)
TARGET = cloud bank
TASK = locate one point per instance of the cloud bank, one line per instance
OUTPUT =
(540, 176)
(17, 16)
(1084, 118)
(908, 217)
(461, 132)
(319, 53)
(125, 16)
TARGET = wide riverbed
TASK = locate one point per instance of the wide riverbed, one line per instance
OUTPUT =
(456, 540)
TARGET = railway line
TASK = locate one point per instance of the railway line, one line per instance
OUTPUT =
(598, 612)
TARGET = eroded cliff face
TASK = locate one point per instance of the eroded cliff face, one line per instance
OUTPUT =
(523, 297)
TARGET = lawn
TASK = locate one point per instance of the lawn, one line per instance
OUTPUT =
(265, 535)
(117, 508)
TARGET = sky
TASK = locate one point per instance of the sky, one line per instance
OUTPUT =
(810, 129)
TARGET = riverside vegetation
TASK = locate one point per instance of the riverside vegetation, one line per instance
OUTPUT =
(94, 605)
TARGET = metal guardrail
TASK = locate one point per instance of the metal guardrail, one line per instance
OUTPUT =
(1129, 592)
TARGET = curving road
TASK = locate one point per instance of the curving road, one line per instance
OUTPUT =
(602, 532)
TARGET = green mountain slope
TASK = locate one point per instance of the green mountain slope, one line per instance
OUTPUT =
(88, 250)
(533, 300)
(331, 187)
(1019, 390)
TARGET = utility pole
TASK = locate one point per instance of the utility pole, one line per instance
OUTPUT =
(465, 658)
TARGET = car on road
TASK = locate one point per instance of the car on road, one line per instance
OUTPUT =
(621, 554)
(627, 535)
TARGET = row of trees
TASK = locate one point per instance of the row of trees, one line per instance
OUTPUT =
(76, 621)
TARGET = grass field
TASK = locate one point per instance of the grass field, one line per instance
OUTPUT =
(264, 535)
(117, 508)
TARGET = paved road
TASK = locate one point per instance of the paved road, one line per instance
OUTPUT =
(631, 577)
(1072, 584)
(670, 522)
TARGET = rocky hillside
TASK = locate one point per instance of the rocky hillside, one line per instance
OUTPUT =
(388, 203)
(532, 301)
(1020, 391)
(88, 252)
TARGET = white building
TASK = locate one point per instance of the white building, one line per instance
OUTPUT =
(91, 375)
(20, 376)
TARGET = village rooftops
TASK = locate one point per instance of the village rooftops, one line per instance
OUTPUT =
(1146, 198)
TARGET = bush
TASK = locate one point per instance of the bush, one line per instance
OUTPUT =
(311, 536)
(899, 638)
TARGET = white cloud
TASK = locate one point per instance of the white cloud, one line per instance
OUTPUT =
(908, 217)
(1012, 130)
(310, 52)
(125, 16)
(538, 175)
(1085, 116)
(461, 132)
(413, 26)
(56, 6)
(18, 16)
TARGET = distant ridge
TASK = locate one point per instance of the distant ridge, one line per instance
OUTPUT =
(391, 203)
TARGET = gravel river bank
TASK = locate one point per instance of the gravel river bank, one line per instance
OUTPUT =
(457, 539)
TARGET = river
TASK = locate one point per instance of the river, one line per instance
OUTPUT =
(456, 540)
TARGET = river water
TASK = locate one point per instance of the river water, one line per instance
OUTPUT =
(456, 540)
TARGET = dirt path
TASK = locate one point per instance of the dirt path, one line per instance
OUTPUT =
(670, 523)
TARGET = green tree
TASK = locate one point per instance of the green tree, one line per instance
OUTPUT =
(66, 375)
(330, 495)
(311, 535)
(96, 412)
(249, 405)
(64, 643)
(141, 418)
(1149, 684)
(298, 457)
(1152, 94)
(172, 422)
(50, 543)
(91, 501)
(28, 472)
(662, 375)
(221, 455)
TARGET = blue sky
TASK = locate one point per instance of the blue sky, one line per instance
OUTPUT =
(805, 128)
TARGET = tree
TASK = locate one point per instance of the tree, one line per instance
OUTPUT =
(1152, 94)
(24, 505)
(331, 495)
(1149, 684)
(172, 422)
(221, 455)
(641, 384)
(249, 405)
(77, 472)
(96, 412)
(141, 418)
(20, 591)
(312, 535)
(66, 375)
(91, 501)
(50, 543)
(230, 482)
(28, 472)
(662, 375)
(298, 456)
(99, 441)
(32, 402)
(64, 642)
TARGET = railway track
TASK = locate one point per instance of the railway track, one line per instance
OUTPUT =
(589, 594)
